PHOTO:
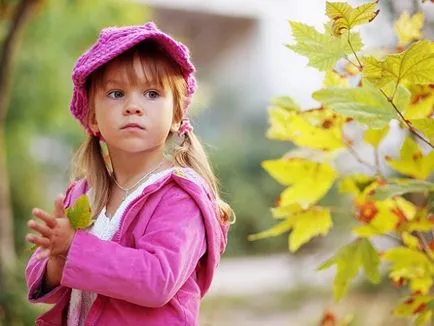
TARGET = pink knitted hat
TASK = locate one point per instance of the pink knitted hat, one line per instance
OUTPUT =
(112, 42)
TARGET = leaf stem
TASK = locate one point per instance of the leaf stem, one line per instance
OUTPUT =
(360, 67)
(353, 152)
(425, 246)
(409, 126)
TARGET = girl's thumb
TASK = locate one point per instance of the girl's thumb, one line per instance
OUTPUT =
(59, 209)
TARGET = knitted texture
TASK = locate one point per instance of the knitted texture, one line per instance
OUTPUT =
(112, 42)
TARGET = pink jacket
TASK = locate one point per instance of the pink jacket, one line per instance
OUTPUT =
(157, 267)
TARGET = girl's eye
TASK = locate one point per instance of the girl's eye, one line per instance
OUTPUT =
(115, 94)
(152, 95)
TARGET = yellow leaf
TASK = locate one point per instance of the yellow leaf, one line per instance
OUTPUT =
(274, 231)
(421, 109)
(333, 79)
(409, 28)
(375, 136)
(306, 225)
(412, 162)
(355, 184)
(410, 264)
(308, 181)
(410, 240)
(424, 318)
(410, 306)
(285, 211)
(279, 121)
(414, 65)
(406, 207)
(373, 71)
(311, 223)
(315, 129)
(426, 126)
(346, 17)
(382, 222)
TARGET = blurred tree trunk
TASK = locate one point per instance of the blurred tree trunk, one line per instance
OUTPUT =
(8, 49)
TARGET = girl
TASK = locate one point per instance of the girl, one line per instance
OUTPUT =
(160, 226)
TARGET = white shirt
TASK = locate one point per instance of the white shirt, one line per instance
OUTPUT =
(104, 228)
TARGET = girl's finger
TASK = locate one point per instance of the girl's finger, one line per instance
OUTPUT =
(42, 229)
(37, 240)
(43, 254)
(59, 209)
(44, 216)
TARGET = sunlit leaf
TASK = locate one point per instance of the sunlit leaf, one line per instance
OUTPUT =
(315, 129)
(398, 187)
(426, 126)
(305, 225)
(322, 49)
(365, 104)
(408, 28)
(375, 136)
(333, 79)
(345, 17)
(414, 65)
(80, 214)
(349, 260)
(412, 162)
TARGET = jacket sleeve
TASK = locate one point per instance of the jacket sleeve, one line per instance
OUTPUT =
(150, 274)
(34, 274)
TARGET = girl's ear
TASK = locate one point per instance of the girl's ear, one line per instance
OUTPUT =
(93, 125)
(175, 126)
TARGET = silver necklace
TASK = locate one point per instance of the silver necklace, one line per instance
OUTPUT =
(127, 190)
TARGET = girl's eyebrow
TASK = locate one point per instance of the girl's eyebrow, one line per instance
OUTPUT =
(120, 82)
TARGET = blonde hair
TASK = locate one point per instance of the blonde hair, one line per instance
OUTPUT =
(159, 67)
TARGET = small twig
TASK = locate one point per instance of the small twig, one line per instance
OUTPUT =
(353, 63)
(377, 163)
(425, 246)
(357, 157)
(354, 52)
(408, 124)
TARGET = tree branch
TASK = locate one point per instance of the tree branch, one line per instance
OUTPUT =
(7, 51)
(407, 123)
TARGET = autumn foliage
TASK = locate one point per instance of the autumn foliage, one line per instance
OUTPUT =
(362, 91)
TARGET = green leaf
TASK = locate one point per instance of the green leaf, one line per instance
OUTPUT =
(80, 214)
(365, 104)
(322, 50)
(349, 260)
(415, 65)
(399, 187)
(285, 102)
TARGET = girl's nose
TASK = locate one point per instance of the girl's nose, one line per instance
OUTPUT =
(133, 107)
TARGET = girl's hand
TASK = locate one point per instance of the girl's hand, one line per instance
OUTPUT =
(55, 233)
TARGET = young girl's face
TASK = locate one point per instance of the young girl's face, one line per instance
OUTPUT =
(132, 111)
